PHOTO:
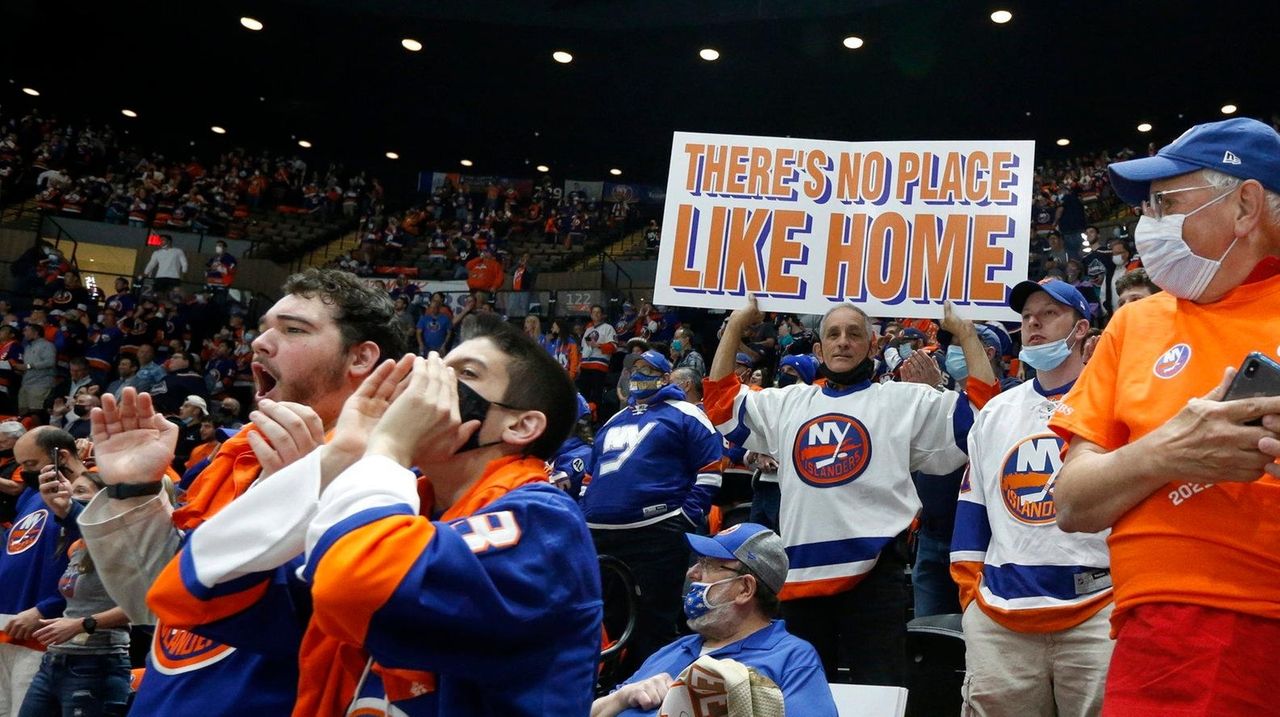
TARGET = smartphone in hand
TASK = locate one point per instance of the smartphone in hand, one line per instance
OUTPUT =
(1257, 377)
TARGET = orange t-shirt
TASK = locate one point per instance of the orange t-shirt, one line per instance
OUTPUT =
(1211, 545)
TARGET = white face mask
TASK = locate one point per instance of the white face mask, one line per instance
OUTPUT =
(1169, 261)
(1118, 260)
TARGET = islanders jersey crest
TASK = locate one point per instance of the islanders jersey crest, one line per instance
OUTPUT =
(26, 532)
(175, 651)
(1026, 479)
(1172, 362)
(831, 450)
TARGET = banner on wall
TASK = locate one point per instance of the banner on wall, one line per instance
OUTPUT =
(633, 193)
(431, 181)
(896, 228)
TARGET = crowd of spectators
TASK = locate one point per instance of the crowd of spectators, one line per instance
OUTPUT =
(459, 222)
(96, 172)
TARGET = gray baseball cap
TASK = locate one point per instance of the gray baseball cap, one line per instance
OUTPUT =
(759, 549)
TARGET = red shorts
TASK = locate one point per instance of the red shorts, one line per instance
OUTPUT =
(1176, 660)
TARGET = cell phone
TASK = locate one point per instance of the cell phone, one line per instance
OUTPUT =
(56, 459)
(1258, 376)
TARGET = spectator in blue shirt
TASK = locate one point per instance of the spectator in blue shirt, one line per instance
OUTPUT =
(434, 327)
(730, 605)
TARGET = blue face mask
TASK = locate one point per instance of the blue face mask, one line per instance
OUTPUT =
(956, 366)
(904, 351)
(1046, 357)
(696, 603)
(677, 345)
(643, 385)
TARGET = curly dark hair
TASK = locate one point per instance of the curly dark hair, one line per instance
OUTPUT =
(363, 313)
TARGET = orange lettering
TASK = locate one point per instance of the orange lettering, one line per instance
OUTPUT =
(985, 256)
(758, 173)
(908, 175)
(887, 256)
(938, 264)
(845, 254)
(696, 153)
(782, 249)
(1001, 176)
(734, 183)
(682, 274)
(712, 273)
(847, 177)
(975, 185)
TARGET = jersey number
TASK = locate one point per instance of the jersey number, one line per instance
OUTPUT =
(489, 531)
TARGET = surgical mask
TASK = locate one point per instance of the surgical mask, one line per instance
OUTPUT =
(696, 602)
(1169, 261)
(643, 385)
(905, 351)
(786, 379)
(1118, 260)
(1046, 357)
(955, 363)
(677, 345)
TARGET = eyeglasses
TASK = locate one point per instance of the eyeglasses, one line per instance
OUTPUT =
(1157, 205)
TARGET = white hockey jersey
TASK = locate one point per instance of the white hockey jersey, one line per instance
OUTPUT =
(844, 465)
(1007, 551)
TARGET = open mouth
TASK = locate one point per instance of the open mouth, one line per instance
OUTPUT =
(264, 380)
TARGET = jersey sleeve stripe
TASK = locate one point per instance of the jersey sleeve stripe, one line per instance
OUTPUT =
(835, 552)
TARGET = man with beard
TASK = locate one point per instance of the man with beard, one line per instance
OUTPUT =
(316, 346)
(731, 605)
(848, 448)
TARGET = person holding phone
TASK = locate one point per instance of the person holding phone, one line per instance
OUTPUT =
(1188, 488)
(85, 668)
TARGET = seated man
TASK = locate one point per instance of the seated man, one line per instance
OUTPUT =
(730, 605)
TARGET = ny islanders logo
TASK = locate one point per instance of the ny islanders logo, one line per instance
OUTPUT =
(831, 450)
(26, 532)
(174, 651)
(1026, 479)
(1172, 362)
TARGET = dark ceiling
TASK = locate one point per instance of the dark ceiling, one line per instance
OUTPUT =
(485, 87)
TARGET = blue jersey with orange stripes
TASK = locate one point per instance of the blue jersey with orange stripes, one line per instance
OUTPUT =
(652, 459)
(491, 608)
(30, 564)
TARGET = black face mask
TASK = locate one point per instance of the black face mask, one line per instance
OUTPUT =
(31, 479)
(80, 411)
(858, 374)
(786, 379)
(6, 453)
(472, 407)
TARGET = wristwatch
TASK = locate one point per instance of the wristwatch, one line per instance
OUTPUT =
(133, 490)
(90, 624)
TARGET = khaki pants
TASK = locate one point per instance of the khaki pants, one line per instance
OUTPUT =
(1029, 674)
(18, 666)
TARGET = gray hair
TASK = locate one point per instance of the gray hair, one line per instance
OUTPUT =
(685, 375)
(1224, 183)
(12, 429)
(822, 326)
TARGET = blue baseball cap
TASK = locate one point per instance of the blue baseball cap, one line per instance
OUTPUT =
(1061, 291)
(913, 334)
(1241, 147)
(656, 360)
(743, 360)
(759, 549)
(805, 364)
(584, 408)
(1002, 335)
(989, 337)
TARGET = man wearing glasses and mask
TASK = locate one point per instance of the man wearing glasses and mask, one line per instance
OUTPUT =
(1186, 481)
(731, 604)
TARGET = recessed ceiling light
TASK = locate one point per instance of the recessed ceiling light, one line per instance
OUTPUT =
(392, 155)
(218, 130)
(128, 113)
(615, 172)
(1144, 127)
(1063, 142)
(29, 91)
(250, 23)
(709, 54)
(1000, 17)
(542, 168)
(411, 44)
(304, 144)
(466, 163)
(562, 57)
(1229, 109)
(853, 42)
